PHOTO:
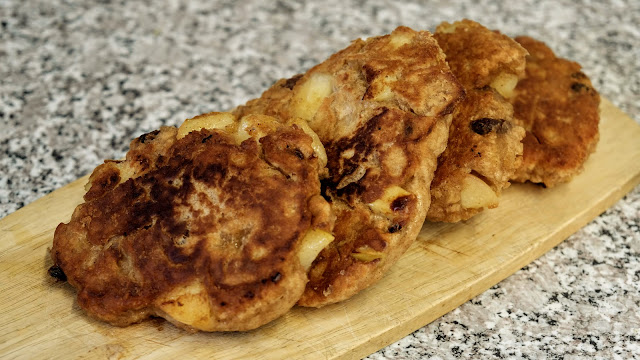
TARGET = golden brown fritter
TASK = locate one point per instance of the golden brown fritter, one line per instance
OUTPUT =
(381, 107)
(558, 106)
(484, 148)
(479, 56)
(483, 151)
(203, 225)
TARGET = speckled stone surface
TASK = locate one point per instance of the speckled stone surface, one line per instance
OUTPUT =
(80, 79)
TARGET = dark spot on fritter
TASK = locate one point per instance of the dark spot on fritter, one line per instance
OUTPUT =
(299, 154)
(395, 228)
(249, 295)
(408, 130)
(276, 277)
(486, 125)
(291, 82)
(542, 185)
(577, 87)
(350, 191)
(56, 272)
(324, 185)
(204, 140)
(143, 162)
(360, 143)
(117, 253)
(370, 73)
(210, 172)
(148, 136)
(223, 303)
(400, 203)
(113, 179)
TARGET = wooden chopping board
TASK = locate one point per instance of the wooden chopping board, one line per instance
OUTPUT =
(446, 266)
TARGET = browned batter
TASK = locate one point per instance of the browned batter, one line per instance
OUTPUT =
(203, 230)
(558, 106)
(484, 148)
(381, 107)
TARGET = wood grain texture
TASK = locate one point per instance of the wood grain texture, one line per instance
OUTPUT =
(446, 266)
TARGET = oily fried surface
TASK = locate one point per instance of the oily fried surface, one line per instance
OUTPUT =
(558, 107)
(483, 141)
(382, 109)
(202, 230)
(478, 55)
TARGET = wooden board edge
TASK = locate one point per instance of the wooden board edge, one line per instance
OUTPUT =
(24, 212)
(483, 283)
(476, 287)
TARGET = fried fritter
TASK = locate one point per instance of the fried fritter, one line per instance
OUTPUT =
(484, 148)
(558, 106)
(480, 57)
(211, 226)
(381, 107)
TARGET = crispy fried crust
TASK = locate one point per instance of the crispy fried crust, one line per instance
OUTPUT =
(478, 55)
(483, 141)
(558, 107)
(383, 122)
(203, 231)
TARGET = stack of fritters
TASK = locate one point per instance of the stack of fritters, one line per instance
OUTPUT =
(381, 107)
(310, 193)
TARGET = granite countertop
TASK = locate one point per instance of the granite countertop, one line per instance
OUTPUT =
(80, 79)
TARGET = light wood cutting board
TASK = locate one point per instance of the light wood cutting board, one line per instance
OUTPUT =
(446, 266)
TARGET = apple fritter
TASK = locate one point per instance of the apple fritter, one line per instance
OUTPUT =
(484, 148)
(382, 108)
(480, 57)
(558, 106)
(212, 225)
